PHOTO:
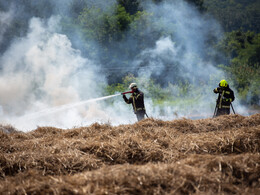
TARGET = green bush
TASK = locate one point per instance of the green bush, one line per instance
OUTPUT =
(243, 68)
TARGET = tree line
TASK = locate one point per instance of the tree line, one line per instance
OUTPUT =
(126, 21)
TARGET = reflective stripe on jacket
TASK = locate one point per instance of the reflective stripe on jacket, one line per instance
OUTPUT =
(226, 96)
(137, 100)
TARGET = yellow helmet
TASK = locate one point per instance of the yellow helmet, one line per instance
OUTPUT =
(223, 83)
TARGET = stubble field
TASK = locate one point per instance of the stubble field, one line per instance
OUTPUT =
(205, 156)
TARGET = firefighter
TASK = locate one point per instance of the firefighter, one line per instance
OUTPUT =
(137, 101)
(225, 97)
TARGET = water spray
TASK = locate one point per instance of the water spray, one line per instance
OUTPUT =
(64, 107)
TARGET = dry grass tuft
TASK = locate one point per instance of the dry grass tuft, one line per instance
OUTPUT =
(7, 129)
(206, 156)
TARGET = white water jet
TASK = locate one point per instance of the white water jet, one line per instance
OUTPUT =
(55, 109)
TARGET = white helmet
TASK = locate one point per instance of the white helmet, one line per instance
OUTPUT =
(132, 85)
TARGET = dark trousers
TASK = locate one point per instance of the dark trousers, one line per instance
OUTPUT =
(223, 111)
(140, 115)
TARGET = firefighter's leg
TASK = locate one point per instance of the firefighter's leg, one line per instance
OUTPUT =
(227, 110)
(223, 111)
(140, 115)
(220, 112)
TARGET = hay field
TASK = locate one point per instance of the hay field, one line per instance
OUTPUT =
(206, 156)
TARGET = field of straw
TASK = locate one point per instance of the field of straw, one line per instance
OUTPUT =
(206, 156)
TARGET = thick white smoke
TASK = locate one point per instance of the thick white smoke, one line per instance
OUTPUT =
(191, 31)
(187, 56)
(42, 71)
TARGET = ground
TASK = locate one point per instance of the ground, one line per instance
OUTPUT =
(206, 156)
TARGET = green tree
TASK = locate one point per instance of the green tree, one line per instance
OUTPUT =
(242, 48)
(131, 6)
(105, 27)
(235, 14)
(198, 3)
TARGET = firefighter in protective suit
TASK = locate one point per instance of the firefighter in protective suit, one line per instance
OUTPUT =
(225, 97)
(137, 101)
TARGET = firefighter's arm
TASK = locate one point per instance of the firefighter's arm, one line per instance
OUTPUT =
(215, 90)
(218, 90)
(128, 101)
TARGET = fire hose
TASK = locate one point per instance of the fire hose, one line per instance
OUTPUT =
(126, 92)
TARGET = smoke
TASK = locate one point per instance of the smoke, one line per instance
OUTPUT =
(188, 50)
(5, 20)
(182, 57)
(42, 71)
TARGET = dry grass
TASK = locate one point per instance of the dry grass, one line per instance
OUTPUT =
(7, 129)
(206, 156)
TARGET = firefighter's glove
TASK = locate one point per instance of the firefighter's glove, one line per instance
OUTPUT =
(218, 90)
(124, 97)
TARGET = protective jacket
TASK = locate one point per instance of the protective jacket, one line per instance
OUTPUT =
(225, 97)
(137, 101)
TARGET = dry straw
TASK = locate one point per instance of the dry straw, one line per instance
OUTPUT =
(206, 156)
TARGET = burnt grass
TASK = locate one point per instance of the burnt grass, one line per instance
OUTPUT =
(206, 156)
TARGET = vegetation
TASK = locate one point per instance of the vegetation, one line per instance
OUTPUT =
(235, 14)
(153, 89)
(206, 156)
(113, 27)
(243, 48)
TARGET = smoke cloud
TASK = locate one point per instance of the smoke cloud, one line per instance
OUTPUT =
(5, 20)
(42, 70)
